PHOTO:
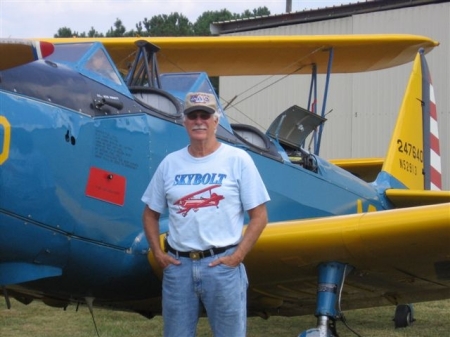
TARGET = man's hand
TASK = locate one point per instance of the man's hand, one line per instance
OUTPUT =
(150, 219)
(258, 221)
(165, 259)
(232, 260)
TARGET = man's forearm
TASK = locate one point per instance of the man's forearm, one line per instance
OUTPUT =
(150, 220)
(258, 221)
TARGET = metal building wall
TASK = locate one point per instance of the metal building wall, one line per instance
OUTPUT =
(363, 106)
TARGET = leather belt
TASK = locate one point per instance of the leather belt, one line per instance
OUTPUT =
(199, 254)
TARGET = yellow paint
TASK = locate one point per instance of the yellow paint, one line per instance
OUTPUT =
(385, 240)
(405, 157)
(269, 55)
(371, 208)
(6, 139)
(151, 258)
(359, 207)
(412, 198)
(366, 169)
(17, 52)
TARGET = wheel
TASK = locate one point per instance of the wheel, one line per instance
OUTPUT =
(403, 316)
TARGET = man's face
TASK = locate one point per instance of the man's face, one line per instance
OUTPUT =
(200, 125)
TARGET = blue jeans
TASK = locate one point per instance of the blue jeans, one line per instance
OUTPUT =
(222, 291)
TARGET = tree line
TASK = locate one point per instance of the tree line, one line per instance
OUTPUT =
(175, 24)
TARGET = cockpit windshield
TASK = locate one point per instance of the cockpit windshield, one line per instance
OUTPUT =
(100, 64)
(91, 60)
(69, 53)
(179, 84)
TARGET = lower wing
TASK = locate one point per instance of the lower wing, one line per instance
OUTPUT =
(397, 256)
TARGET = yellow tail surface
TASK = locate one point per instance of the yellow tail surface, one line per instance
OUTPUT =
(413, 160)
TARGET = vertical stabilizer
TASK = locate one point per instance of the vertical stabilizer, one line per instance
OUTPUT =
(413, 159)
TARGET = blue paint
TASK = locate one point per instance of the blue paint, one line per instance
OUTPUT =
(67, 244)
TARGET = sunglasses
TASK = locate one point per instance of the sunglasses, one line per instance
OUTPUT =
(203, 115)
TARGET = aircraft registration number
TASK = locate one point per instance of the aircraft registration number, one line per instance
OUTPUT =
(408, 166)
(410, 150)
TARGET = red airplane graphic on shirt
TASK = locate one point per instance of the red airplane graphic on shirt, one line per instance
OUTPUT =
(189, 201)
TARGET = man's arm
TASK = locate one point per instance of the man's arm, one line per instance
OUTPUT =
(258, 221)
(150, 220)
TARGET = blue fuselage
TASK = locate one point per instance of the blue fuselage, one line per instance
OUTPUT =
(73, 168)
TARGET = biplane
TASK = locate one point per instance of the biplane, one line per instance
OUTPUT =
(197, 200)
(84, 125)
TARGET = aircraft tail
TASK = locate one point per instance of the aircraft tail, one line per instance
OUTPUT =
(413, 160)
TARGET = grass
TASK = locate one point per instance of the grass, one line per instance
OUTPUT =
(39, 320)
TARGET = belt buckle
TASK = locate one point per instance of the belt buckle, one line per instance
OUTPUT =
(195, 255)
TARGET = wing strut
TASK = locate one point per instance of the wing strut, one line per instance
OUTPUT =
(312, 106)
(144, 71)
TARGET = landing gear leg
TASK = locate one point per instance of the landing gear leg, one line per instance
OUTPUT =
(331, 281)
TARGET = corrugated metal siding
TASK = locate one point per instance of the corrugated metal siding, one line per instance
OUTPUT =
(364, 106)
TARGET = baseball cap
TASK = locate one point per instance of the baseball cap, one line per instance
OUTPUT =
(200, 101)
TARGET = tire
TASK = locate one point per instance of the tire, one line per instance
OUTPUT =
(403, 316)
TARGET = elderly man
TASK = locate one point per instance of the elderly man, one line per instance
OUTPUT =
(205, 248)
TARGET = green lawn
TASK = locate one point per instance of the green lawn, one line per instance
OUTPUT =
(39, 320)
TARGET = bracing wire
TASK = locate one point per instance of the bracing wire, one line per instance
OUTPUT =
(89, 302)
(341, 314)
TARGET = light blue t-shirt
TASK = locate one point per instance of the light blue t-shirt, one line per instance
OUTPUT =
(206, 197)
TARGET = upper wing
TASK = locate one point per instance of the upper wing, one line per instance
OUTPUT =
(270, 55)
(14, 53)
(399, 256)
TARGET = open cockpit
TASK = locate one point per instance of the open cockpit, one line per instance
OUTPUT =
(283, 141)
(90, 82)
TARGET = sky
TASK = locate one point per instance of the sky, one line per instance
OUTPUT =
(43, 18)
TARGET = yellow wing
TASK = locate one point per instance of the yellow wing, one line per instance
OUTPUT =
(411, 198)
(399, 256)
(14, 53)
(269, 55)
(366, 169)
